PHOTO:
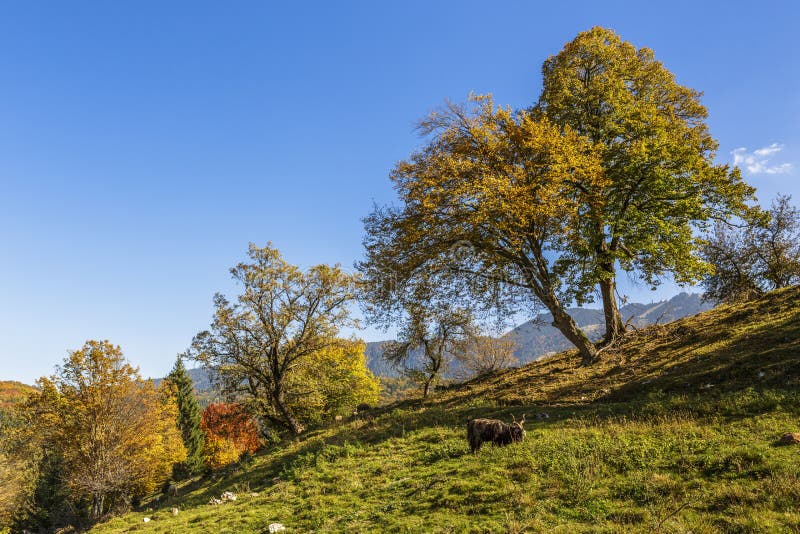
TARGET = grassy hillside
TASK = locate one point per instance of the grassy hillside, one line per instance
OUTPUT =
(674, 431)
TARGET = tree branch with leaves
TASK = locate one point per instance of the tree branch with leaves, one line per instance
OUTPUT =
(503, 187)
(657, 155)
(282, 320)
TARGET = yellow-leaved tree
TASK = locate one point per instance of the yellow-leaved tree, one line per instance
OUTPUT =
(493, 208)
(114, 432)
(335, 381)
(16, 470)
(276, 349)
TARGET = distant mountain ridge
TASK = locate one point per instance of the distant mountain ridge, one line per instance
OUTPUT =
(537, 338)
(200, 378)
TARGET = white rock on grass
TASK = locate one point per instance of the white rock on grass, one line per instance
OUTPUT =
(146, 519)
(276, 527)
(225, 497)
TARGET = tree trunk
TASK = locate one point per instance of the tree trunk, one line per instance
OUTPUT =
(97, 506)
(566, 324)
(562, 320)
(427, 385)
(288, 418)
(436, 365)
(614, 325)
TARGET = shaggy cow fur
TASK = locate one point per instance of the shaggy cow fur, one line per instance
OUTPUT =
(494, 431)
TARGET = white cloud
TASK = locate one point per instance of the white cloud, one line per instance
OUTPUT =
(758, 161)
(774, 148)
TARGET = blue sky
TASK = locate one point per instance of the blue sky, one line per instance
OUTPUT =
(144, 144)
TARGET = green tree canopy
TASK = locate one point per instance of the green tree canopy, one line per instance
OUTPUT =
(656, 153)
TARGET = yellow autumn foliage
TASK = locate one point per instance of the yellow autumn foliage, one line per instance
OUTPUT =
(115, 431)
(333, 382)
(219, 452)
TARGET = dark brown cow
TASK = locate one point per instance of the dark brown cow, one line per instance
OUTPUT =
(494, 431)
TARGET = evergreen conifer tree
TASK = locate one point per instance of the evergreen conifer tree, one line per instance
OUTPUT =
(189, 415)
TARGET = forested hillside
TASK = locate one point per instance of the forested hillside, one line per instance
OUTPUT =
(12, 392)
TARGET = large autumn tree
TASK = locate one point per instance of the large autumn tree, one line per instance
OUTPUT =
(657, 157)
(493, 208)
(113, 433)
(261, 347)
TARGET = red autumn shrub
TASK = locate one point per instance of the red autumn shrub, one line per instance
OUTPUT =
(230, 432)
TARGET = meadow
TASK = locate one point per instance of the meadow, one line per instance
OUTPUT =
(675, 430)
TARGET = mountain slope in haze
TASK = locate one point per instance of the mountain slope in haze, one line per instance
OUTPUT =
(676, 429)
(200, 378)
(536, 338)
(204, 388)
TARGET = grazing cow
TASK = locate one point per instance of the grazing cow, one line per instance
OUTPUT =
(494, 431)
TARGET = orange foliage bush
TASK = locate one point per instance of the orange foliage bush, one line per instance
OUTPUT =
(230, 432)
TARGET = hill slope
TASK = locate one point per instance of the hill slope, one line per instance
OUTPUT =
(12, 392)
(536, 338)
(673, 431)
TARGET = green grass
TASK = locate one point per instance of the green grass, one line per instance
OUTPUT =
(638, 442)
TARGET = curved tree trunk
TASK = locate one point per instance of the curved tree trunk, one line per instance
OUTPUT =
(567, 325)
(561, 319)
